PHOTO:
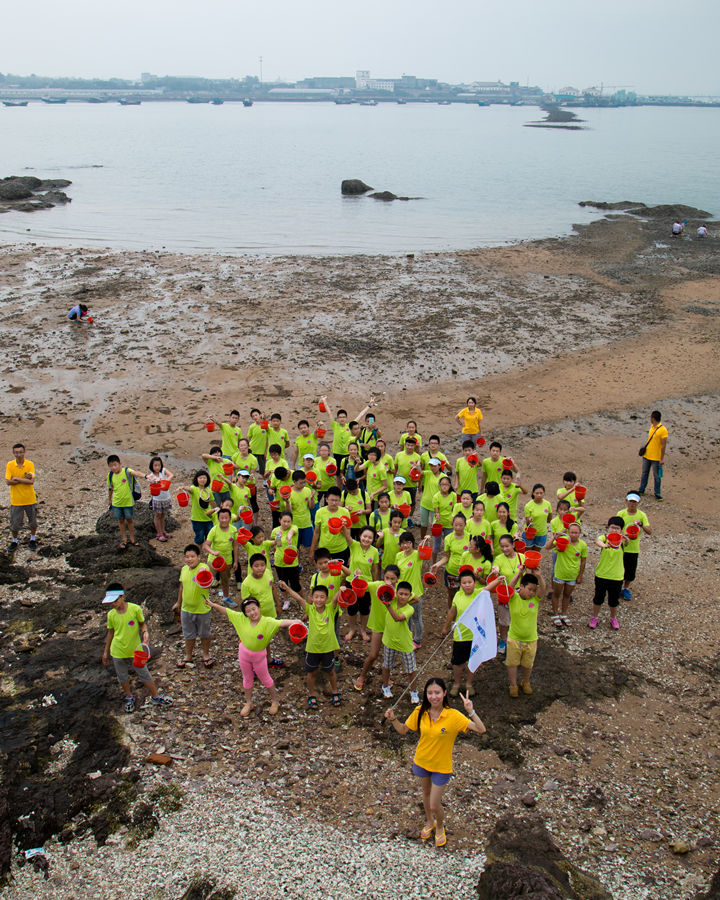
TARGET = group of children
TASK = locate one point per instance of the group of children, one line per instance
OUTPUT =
(374, 530)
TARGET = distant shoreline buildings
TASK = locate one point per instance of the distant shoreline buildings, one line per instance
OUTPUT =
(362, 88)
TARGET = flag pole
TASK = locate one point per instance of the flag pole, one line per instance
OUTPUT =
(427, 663)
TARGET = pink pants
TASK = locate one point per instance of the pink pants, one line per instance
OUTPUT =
(254, 662)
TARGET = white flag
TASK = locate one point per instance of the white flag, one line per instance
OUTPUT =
(479, 617)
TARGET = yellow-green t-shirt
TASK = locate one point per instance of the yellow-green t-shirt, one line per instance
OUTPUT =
(405, 435)
(481, 565)
(120, 482)
(444, 504)
(332, 542)
(378, 610)
(567, 561)
(231, 434)
(391, 546)
(319, 466)
(299, 508)
(341, 438)
(455, 547)
(610, 565)
(510, 495)
(638, 518)
(285, 544)
(353, 503)
(509, 566)
(483, 528)
(375, 476)
(197, 512)
(221, 542)
(467, 476)
(261, 590)
(363, 559)
(257, 439)
(404, 462)
(193, 596)
(306, 443)
(253, 637)
(498, 531)
(492, 469)
(126, 628)
(333, 583)
(460, 603)
(321, 628)
(537, 513)
(490, 504)
(410, 566)
(397, 635)
(523, 618)
(431, 487)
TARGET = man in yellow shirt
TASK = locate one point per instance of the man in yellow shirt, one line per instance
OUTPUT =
(653, 454)
(20, 475)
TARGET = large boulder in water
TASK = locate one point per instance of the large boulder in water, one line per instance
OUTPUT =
(524, 861)
(14, 189)
(353, 187)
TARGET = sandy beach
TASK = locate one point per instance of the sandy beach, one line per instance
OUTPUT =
(568, 345)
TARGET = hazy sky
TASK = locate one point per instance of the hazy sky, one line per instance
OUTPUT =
(653, 46)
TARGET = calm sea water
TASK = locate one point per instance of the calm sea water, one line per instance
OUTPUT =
(267, 179)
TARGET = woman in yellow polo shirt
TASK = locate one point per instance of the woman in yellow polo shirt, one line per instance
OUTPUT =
(438, 725)
(471, 420)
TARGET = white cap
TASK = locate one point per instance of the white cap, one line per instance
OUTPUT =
(399, 478)
(112, 596)
(434, 461)
(243, 472)
(633, 496)
(308, 456)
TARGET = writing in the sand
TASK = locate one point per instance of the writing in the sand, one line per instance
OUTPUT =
(172, 428)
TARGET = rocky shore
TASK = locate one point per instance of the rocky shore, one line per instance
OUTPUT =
(574, 341)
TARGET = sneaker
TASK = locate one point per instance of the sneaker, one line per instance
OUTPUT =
(12, 546)
(410, 523)
(161, 700)
(414, 697)
(33, 543)
(277, 663)
(454, 690)
(658, 497)
(593, 623)
(286, 604)
(130, 703)
(625, 594)
(416, 646)
(386, 692)
(514, 692)
(226, 601)
(502, 647)
(614, 624)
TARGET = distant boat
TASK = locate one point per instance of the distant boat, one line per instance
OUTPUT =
(217, 101)
(97, 99)
(15, 103)
(368, 103)
(247, 102)
(402, 102)
(444, 102)
(54, 99)
(483, 103)
(344, 101)
(126, 102)
(196, 100)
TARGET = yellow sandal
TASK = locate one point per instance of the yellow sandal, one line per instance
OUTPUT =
(427, 832)
(440, 838)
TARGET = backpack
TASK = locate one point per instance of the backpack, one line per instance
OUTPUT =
(132, 481)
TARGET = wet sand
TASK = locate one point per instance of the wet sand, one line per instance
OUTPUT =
(568, 344)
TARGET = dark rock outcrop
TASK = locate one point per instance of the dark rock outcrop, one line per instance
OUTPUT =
(353, 187)
(713, 892)
(524, 861)
(27, 193)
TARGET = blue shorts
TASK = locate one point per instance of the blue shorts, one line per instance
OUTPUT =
(305, 536)
(439, 779)
(122, 512)
(564, 580)
(538, 541)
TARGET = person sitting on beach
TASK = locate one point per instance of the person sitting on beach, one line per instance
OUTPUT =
(79, 313)
(702, 231)
(677, 229)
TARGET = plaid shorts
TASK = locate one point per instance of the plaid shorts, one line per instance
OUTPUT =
(407, 659)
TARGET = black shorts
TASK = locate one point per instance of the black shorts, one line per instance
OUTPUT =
(413, 493)
(290, 575)
(362, 606)
(344, 555)
(630, 561)
(460, 653)
(324, 661)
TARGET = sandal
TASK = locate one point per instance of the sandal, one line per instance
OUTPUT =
(208, 663)
(358, 684)
(246, 710)
(133, 543)
(313, 703)
(440, 837)
(565, 620)
(184, 664)
(426, 832)
(335, 699)
(557, 621)
(122, 546)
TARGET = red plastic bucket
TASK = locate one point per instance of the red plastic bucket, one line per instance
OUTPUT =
(415, 474)
(155, 489)
(290, 556)
(530, 532)
(405, 509)
(320, 432)
(614, 539)
(568, 519)
(164, 485)
(264, 424)
(425, 551)
(507, 463)
(246, 516)
(228, 468)
(519, 545)
(580, 491)
(321, 407)
(466, 569)
(429, 579)
(311, 477)
(252, 487)
(335, 525)
(331, 469)
(436, 529)
(297, 632)
(89, 320)
(285, 491)
(335, 566)
(359, 585)
(480, 442)
(473, 460)
(183, 498)
(243, 535)
(210, 426)
(141, 656)
(218, 486)
(533, 559)
(561, 543)
(204, 578)
(346, 597)
(632, 531)
(346, 520)
(504, 593)
(354, 518)
(219, 564)
(385, 593)
(274, 505)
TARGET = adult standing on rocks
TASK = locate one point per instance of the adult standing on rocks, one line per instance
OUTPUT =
(20, 475)
(438, 725)
(653, 454)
